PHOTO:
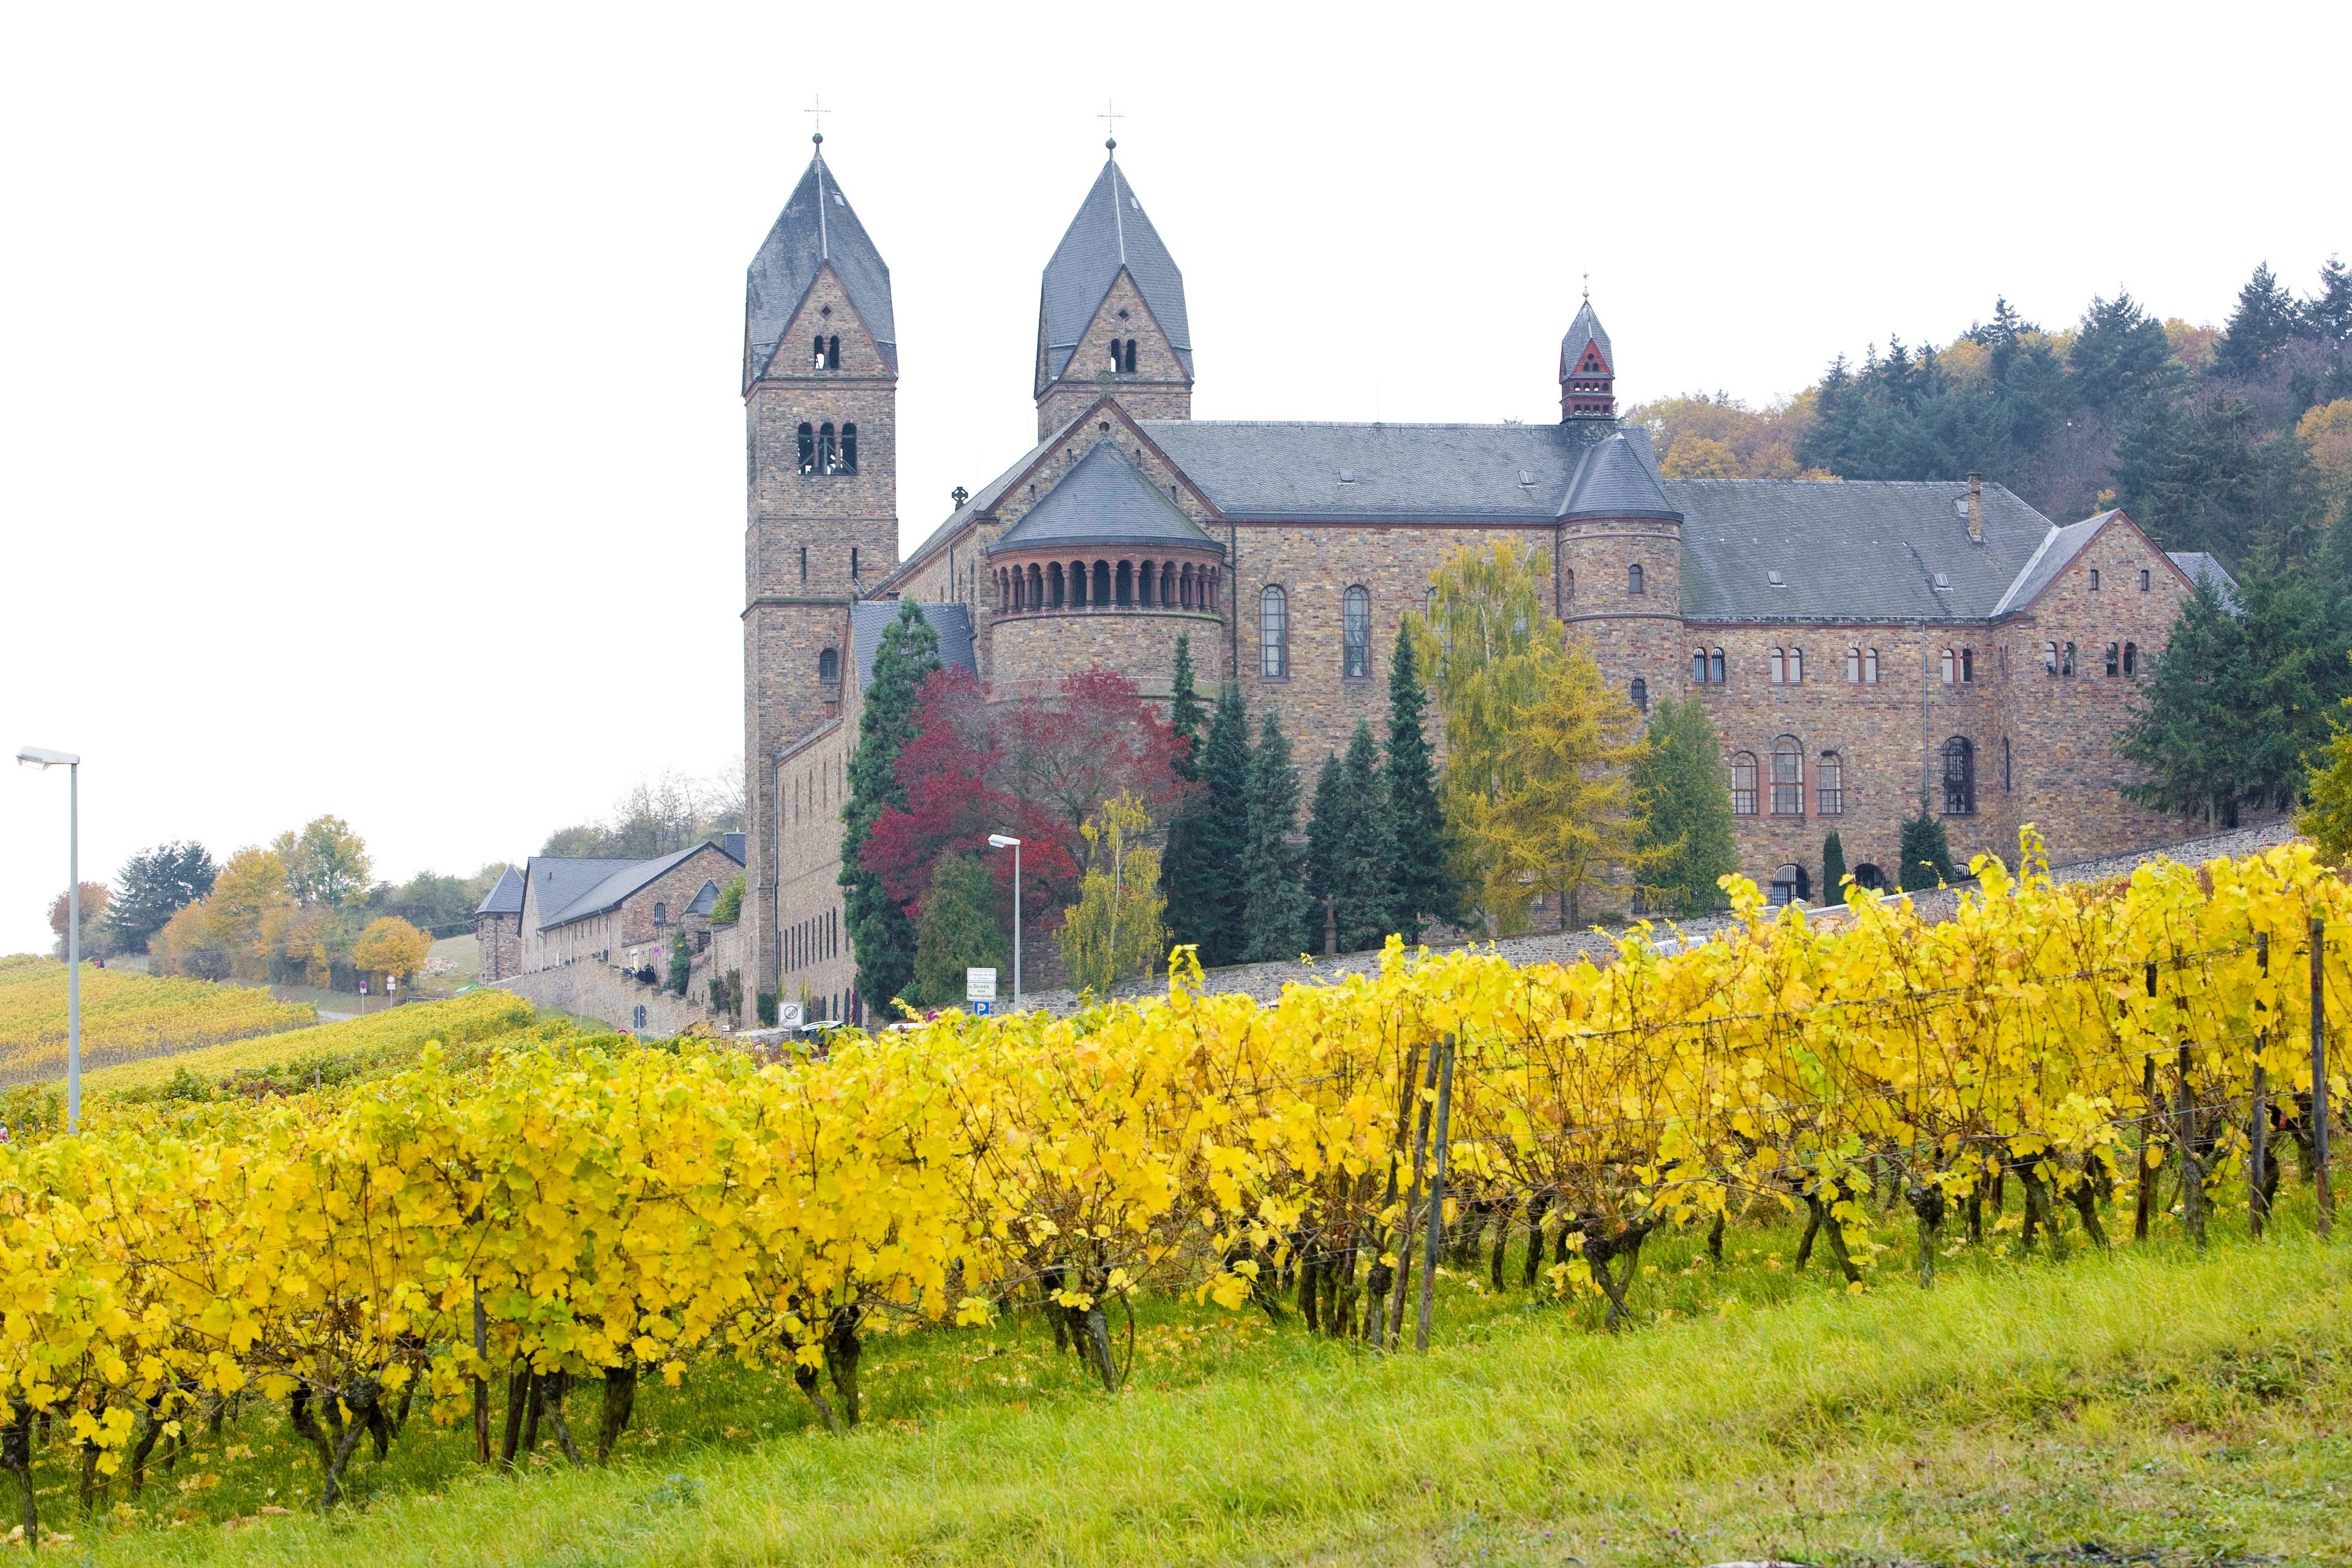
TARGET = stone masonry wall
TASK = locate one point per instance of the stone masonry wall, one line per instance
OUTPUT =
(500, 940)
(1157, 388)
(1032, 653)
(814, 960)
(1633, 637)
(600, 991)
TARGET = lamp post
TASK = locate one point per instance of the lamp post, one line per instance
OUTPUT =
(40, 757)
(1006, 841)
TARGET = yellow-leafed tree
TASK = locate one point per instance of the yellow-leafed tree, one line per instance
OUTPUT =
(391, 946)
(1569, 816)
(1118, 926)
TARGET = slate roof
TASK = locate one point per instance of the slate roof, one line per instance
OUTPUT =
(868, 618)
(1852, 550)
(817, 226)
(983, 500)
(1617, 477)
(506, 897)
(1281, 469)
(1585, 328)
(1104, 500)
(2198, 565)
(732, 843)
(608, 893)
(2057, 551)
(706, 901)
(561, 883)
(1110, 232)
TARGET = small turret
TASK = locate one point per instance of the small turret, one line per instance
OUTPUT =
(1588, 369)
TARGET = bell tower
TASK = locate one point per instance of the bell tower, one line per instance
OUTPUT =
(1588, 369)
(1111, 317)
(820, 406)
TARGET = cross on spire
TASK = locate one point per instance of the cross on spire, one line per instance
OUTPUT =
(815, 111)
(1111, 117)
(1588, 284)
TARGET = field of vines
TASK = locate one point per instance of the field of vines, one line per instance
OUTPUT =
(481, 1233)
(125, 1015)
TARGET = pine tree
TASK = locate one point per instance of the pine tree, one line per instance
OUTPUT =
(2120, 359)
(956, 930)
(1274, 896)
(1925, 854)
(156, 884)
(2328, 316)
(1331, 819)
(1191, 880)
(1221, 834)
(1832, 869)
(1184, 710)
(1364, 878)
(880, 936)
(1687, 840)
(2265, 317)
(1422, 879)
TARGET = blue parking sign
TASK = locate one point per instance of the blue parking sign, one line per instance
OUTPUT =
(980, 1009)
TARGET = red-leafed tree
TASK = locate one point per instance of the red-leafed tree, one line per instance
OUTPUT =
(1035, 769)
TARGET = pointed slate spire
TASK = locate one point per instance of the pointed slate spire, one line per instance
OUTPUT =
(1617, 478)
(818, 228)
(1588, 369)
(1112, 233)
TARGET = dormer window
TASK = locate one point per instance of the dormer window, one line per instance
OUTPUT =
(1775, 580)
(1943, 582)
(1526, 478)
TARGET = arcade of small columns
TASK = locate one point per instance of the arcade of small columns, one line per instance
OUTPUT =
(1043, 585)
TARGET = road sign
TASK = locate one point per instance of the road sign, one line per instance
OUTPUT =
(789, 1015)
(982, 1009)
(980, 985)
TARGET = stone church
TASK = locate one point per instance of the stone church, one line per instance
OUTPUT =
(1860, 645)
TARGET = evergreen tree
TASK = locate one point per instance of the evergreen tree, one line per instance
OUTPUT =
(1421, 883)
(1190, 878)
(881, 938)
(2328, 316)
(1184, 710)
(1214, 914)
(2238, 704)
(2210, 478)
(1365, 873)
(1832, 869)
(154, 885)
(956, 930)
(2265, 319)
(1331, 819)
(1687, 834)
(1925, 854)
(1274, 896)
(2120, 362)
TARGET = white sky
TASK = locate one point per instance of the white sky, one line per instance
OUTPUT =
(370, 435)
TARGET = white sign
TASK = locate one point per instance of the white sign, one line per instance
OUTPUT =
(980, 985)
(789, 1015)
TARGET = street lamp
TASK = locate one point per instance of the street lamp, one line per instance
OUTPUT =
(1006, 841)
(41, 757)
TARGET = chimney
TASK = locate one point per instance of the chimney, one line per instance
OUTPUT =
(1976, 508)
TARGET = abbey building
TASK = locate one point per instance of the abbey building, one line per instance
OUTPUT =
(1860, 645)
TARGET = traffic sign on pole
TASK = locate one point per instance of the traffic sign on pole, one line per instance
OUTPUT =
(980, 984)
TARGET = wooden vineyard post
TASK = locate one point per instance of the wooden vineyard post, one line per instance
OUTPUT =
(1412, 1206)
(2319, 1071)
(2258, 1130)
(481, 1388)
(1436, 1199)
(2144, 1195)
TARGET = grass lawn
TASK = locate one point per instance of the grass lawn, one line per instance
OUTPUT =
(2147, 1406)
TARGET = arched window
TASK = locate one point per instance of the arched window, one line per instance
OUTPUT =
(1715, 667)
(828, 667)
(1129, 364)
(1743, 784)
(816, 354)
(1870, 667)
(1356, 634)
(1796, 666)
(1779, 665)
(1699, 666)
(1789, 886)
(1960, 777)
(1273, 633)
(2066, 661)
(1123, 577)
(1853, 666)
(833, 354)
(1829, 785)
(1788, 777)
(1078, 584)
(1951, 666)
(1968, 665)
(1098, 592)
(2115, 659)
(1634, 579)
(2095, 579)
(1640, 693)
(849, 448)
(661, 913)
(1185, 588)
(1053, 585)
(2131, 658)
(1868, 878)
(2049, 658)
(828, 450)
(808, 448)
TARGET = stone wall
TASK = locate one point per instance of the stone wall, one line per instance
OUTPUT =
(1157, 388)
(498, 939)
(813, 958)
(1032, 653)
(1634, 636)
(600, 991)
